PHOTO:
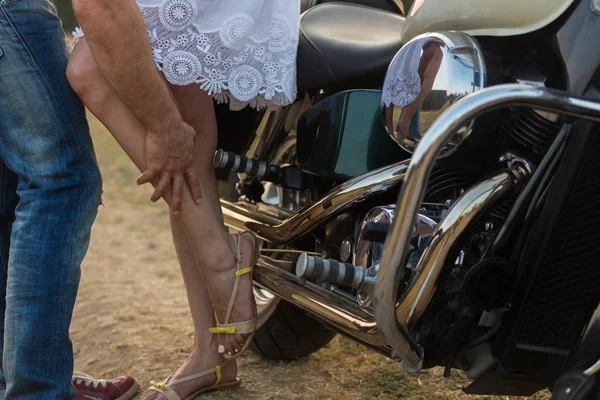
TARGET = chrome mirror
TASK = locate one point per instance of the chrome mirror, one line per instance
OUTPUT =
(427, 76)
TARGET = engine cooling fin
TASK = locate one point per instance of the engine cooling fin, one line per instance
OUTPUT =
(531, 130)
(526, 130)
(446, 184)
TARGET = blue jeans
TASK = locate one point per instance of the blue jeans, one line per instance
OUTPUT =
(414, 130)
(50, 186)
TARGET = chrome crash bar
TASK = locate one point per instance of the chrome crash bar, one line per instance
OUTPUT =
(395, 318)
(329, 206)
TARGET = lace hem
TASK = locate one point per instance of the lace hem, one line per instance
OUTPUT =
(401, 91)
(229, 64)
(402, 83)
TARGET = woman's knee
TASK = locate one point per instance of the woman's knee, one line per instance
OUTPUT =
(85, 77)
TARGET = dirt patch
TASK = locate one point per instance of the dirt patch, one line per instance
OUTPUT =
(132, 317)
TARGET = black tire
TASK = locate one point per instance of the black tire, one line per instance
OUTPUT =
(290, 334)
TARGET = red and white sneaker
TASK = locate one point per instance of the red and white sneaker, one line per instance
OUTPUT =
(120, 388)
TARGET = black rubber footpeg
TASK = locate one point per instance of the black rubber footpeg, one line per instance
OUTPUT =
(331, 271)
(244, 165)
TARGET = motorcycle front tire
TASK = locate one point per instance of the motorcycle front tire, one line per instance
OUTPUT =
(290, 334)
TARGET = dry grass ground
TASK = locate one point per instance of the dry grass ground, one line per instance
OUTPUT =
(131, 315)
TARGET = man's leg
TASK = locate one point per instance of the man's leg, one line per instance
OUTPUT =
(44, 139)
(8, 203)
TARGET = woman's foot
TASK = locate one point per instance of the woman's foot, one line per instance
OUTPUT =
(197, 362)
(220, 279)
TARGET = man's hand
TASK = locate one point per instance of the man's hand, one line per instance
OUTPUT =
(170, 158)
(123, 54)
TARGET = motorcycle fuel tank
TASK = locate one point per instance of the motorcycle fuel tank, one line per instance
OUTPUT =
(482, 17)
(342, 137)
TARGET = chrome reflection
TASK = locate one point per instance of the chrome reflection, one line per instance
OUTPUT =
(368, 252)
(427, 76)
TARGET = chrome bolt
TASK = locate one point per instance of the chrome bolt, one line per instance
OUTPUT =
(346, 250)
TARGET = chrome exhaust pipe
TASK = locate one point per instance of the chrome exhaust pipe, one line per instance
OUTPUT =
(277, 226)
(338, 200)
(239, 215)
(396, 319)
(336, 309)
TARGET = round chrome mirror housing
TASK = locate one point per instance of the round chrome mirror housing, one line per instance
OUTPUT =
(429, 74)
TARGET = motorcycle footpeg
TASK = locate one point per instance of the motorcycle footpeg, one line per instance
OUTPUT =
(330, 271)
(260, 170)
(289, 177)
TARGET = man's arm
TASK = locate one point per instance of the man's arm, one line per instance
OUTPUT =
(116, 35)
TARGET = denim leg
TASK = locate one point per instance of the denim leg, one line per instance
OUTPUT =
(8, 204)
(44, 139)
(414, 130)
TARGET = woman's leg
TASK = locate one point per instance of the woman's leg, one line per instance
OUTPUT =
(203, 224)
(211, 242)
(204, 355)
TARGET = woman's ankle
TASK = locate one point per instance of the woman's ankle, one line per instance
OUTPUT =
(206, 344)
(220, 258)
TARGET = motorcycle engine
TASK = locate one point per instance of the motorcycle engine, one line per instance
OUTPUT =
(444, 188)
(369, 244)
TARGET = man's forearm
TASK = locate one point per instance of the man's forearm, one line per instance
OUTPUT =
(116, 34)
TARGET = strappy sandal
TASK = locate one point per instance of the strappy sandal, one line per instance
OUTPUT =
(245, 327)
(166, 388)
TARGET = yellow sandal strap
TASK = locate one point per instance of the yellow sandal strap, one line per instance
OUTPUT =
(219, 375)
(165, 390)
(240, 328)
(243, 271)
(216, 370)
(219, 329)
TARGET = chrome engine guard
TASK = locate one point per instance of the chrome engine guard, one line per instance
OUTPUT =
(396, 318)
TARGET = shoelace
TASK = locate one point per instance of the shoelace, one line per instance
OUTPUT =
(89, 381)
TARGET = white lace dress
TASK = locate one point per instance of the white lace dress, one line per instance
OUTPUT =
(239, 51)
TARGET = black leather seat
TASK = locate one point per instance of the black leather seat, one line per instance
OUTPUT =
(344, 46)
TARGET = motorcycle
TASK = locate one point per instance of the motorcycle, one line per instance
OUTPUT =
(432, 192)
